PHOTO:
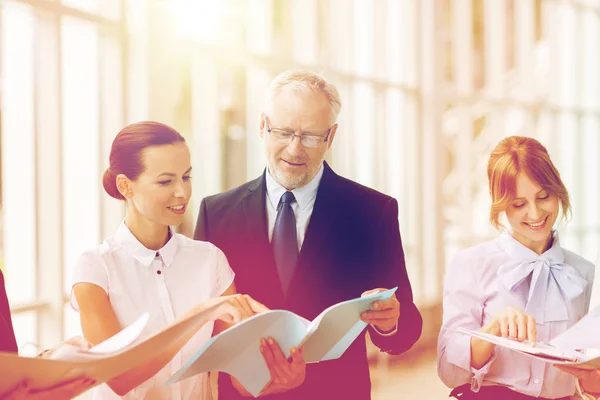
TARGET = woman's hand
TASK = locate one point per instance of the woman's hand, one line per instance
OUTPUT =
(513, 323)
(286, 374)
(63, 391)
(76, 341)
(233, 308)
(510, 322)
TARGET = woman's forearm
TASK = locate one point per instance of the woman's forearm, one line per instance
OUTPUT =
(481, 352)
(135, 377)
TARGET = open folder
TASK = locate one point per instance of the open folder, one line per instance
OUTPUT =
(236, 351)
(563, 349)
(107, 360)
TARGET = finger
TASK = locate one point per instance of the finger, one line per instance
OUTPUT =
(386, 314)
(383, 324)
(369, 292)
(270, 360)
(389, 304)
(521, 322)
(80, 342)
(229, 313)
(504, 327)
(297, 357)
(512, 327)
(255, 305)
(281, 363)
(244, 307)
(531, 330)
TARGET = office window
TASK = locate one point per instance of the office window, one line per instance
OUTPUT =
(18, 152)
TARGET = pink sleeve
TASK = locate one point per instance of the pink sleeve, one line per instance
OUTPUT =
(462, 307)
(89, 268)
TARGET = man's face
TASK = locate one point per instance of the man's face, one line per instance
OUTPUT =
(290, 163)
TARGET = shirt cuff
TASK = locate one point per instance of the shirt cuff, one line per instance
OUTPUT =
(380, 333)
(479, 374)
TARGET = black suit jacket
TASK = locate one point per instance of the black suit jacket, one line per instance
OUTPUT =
(7, 334)
(352, 244)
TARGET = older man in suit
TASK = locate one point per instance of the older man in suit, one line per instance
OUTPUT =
(302, 238)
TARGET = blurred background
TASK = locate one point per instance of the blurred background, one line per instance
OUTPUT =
(428, 88)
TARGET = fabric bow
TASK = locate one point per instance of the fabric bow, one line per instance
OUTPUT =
(553, 283)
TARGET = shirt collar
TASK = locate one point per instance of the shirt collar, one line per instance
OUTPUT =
(518, 250)
(304, 195)
(137, 250)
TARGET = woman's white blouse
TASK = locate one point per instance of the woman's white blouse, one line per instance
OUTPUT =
(165, 284)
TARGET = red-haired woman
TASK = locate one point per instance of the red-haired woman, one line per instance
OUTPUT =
(147, 267)
(522, 285)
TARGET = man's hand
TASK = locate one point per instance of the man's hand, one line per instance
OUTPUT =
(588, 379)
(385, 313)
(286, 374)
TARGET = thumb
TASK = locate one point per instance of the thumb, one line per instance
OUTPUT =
(229, 313)
(368, 292)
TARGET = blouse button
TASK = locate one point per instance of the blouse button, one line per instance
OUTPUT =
(159, 272)
(536, 381)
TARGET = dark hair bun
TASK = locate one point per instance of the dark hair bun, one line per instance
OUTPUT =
(109, 181)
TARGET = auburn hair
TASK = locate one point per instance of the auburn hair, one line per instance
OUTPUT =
(510, 157)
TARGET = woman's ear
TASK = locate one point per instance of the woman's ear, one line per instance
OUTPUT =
(124, 186)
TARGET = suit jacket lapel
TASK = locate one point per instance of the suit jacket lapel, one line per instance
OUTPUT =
(255, 211)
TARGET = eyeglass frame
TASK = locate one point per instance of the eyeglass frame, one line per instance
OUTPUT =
(301, 135)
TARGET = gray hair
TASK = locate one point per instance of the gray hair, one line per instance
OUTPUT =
(305, 81)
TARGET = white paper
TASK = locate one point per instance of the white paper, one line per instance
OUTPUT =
(541, 350)
(122, 339)
(236, 351)
(45, 372)
(585, 334)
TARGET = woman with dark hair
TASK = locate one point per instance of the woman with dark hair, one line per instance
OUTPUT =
(522, 284)
(147, 267)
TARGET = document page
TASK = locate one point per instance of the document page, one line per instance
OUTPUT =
(541, 350)
(585, 334)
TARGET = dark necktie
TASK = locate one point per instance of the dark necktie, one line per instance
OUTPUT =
(285, 243)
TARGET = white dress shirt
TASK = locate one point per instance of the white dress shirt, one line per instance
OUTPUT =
(554, 287)
(302, 207)
(165, 284)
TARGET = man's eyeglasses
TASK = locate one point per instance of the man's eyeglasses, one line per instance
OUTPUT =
(306, 139)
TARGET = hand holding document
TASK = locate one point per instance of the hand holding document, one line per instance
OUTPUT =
(561, 350)
(107, 360)
(236, 351)
(546, 352)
